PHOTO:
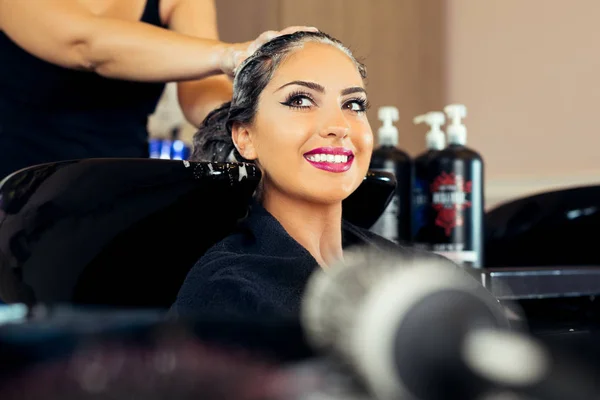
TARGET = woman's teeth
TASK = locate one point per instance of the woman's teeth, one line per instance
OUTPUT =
(330, 158)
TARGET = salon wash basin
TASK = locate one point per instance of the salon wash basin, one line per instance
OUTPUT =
(125, 232)
(542, 250)
(558, 227)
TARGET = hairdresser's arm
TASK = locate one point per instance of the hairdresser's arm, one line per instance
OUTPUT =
(197, 98)
(65, 33)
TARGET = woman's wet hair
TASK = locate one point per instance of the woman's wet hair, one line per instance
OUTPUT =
(212, 141)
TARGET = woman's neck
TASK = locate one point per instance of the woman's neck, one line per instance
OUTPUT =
(317, 227)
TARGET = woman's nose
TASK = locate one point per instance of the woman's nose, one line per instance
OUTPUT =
(336, 125)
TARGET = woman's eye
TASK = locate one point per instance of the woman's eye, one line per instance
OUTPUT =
(356, 105)
(301, 102)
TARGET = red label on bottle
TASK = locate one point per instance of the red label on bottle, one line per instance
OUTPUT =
(449, 199)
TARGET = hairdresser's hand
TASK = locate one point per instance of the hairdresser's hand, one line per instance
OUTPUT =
(236, 53)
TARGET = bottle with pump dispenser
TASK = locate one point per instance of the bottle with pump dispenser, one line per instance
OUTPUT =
(435, 142)
(394, 224)
(455, 178)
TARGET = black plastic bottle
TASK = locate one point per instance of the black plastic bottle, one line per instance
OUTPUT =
(455, 176)
(394, 223)
(421, 197)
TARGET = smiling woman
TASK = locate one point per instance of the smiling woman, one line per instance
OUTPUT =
(298, 112)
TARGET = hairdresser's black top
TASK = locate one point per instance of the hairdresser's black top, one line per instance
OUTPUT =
(259, 270)
(49, 113)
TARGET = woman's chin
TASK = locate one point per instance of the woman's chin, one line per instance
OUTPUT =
(331, 194)
(319, 192)
(328, 197)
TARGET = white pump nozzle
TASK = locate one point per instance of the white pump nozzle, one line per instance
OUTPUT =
(457, 131)
(435, 136)
(388, 133)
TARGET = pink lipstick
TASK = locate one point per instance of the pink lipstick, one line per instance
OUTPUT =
(331, 159)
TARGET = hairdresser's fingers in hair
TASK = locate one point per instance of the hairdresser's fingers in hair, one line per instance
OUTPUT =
(232, 56)
(238, 58)
(236, 53)
(240, 55)
(260, 40)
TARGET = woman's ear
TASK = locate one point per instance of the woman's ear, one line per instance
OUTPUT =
(242, 140)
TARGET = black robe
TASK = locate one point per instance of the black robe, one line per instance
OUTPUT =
(259, 270)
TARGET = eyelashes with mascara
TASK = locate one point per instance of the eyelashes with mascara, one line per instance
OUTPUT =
(363, 104)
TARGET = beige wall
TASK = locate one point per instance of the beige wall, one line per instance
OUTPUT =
(529, 71)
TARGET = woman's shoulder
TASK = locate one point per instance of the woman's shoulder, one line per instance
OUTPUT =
(218, 284)
(243, 274)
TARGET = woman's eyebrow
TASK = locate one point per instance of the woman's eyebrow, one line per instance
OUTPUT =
(310, 85)
(319, 88)
(354, 89)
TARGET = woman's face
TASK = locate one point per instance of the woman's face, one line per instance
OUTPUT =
(311, 135)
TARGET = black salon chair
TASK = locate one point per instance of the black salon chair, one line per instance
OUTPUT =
(125, 232)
